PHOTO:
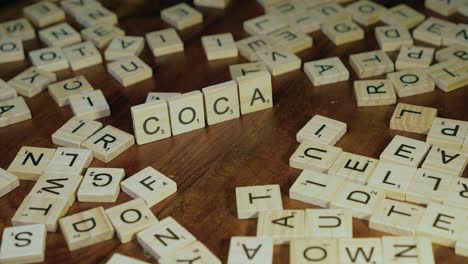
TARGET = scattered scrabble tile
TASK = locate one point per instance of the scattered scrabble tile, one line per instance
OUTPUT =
(446, 160)
(360, 250)
(82, 55)
(60, 186)
(150, 185)
(61, 91)
(181, 16)
(352, 167)
(129, 70)
(407, 249)
(374, 93)
(463, 8)
(279, 61)
(221, 102)
(455, 51)
(411, 82)
(391, 38)
(158, 97)
(186, 112)
(86, 228)
(312, 155)
(43, 13)
(314, 250)
(130, 218)
(393, 179)
(30, 162)
(457, 193)
(264, 24)
(8, 182)
(124, 46)
(255, 92)
(75, 131)
(242, 69)
(69, 161)
(59, 35)
(248, 47)
(330, 11)
(447, 133)
(108, 143)
(254, 199)
(91, 105)
(18, 28)
(465, 144)
(6, 91)
(101, 35)
(431, 30)
(11, 50)
(212, 3)
(326, 71)
(122, 259)
(13, 111)
(456, 35)
(71, 7)
(442, 224)
(428, 186)
(49, 59)
(449, 75)
(328, 223)
(402, 15)
(32, 81)
(342, 31)
(281, 225)
(151, 121)
(322, 129)
(414, 57)
(405, 151)
(219, 46)
(366, 12)
(164, 238)
(291, 39)
(303, 20)
(413, 118)
(371, 63)
(283, 7)
(100, 185)
(164, 42)
(23, 244)
(254, 250)
(40, 210)
(95, 15)
(442, 7)
(193, 252)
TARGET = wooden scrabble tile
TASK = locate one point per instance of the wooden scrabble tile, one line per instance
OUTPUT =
(86, 228)
(342, 31)
(308, 5)
(100, 185)
(82, 55)
(411, 82)
(353, 167)
(8, 182)
(61, 91)
(428, 186)
(151, 121)
(221, 102)
(291, 39)
(122, 259)
(164, 42)
(322, 251)
(150, 185)
(362, 200)
(413, 118)
(69, 161)
(60, 186)
(6, 91)
(193, 252)
(326, 71)
(251, 200)
(129, 70)
(101, 35)
(397, 218)
(13, 111)
(254, 250)
(43, 13)
(328, 223)
(414, 57)
(371, 63)
(456, 194)
(322, 129)
(219, 46)
(448, 133)
(32, 81)
(18, 28)
(30, 162)
(463, 8)
(405, 151)
(108, 143)
(186, 112)
(11, 50)
(159, 97)
(279, 61)
(242, 69)
(40, 210)
(303, 20)
(181, 16)
(75, 131)
(249, 47)
(449, 75)
(312, 155)
(284, 7)
(71, 7)
(407, 249)
(391, 38)
(264, 24)
(164, 238)
(442, 224)
(91, 105)
(212, 3)
(360, 250)
(366, 12)
(59, 35)
(446, 160)
(452, 52)
(49, 59)
(465, 144)
(129, 218)
(124, 46)
(374, 92)
(255, 92)
(431, 30)
(402, 15)
(23, 244)
(442, 7)
(281, 225)
(393, 179)
(456, 35)
(330, 11)
(95, 15)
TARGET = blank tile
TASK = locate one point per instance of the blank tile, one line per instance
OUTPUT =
(23, 244)
(129, 70)
(108, 143)
(62, 90)
(212, 3)
(413, 118)
(326, 71)
(186, 112)
(312, 155)
(252, 250)
(251, 200)
(49, 59)
(181, 16)
(405, 151)
(91, 105)
(281, 225)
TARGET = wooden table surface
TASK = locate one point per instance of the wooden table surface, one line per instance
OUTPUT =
(209, 163)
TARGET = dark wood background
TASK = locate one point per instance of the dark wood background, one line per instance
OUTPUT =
(209, 163)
